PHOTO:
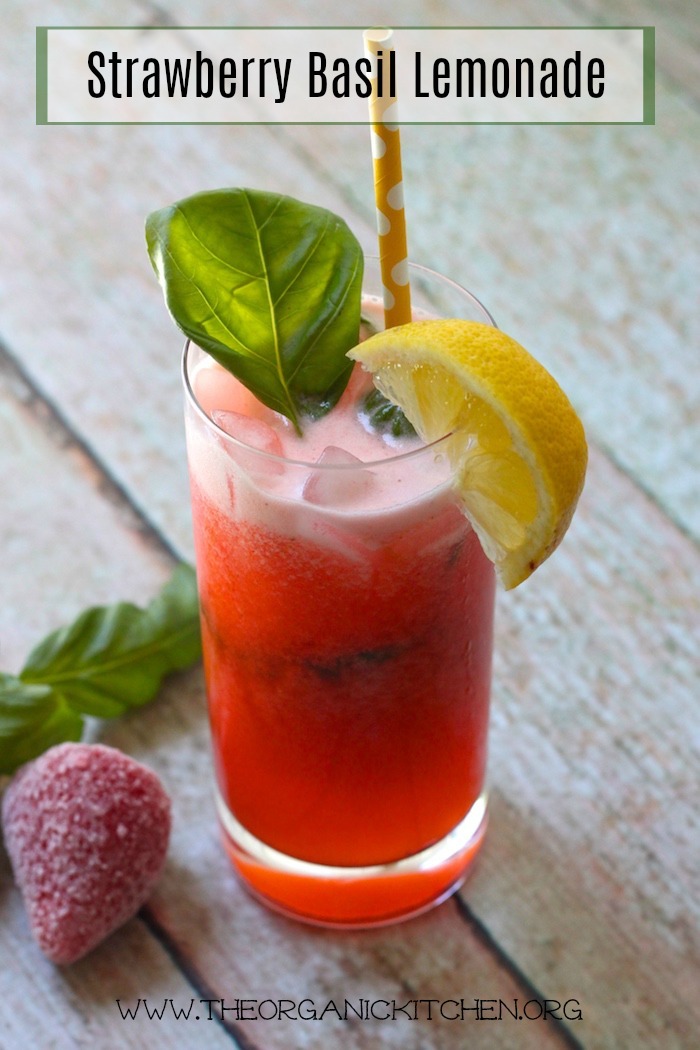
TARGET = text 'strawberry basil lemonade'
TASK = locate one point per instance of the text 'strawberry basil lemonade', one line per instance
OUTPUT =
(355, 494)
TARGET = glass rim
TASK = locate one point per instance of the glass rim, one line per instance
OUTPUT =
(387, 461)
(454, 285)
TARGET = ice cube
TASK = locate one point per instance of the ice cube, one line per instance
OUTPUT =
(343, 541)
(215, 388)
(251, 432)
(255, 437)
(338, 488)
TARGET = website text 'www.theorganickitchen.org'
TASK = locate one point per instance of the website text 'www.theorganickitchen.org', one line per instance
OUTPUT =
(237, 1010)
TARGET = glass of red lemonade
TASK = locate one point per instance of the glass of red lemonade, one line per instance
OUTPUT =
(347, 619)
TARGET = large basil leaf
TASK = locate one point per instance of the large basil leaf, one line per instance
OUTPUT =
(267, 285)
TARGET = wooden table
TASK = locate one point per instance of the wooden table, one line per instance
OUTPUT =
(584, 242)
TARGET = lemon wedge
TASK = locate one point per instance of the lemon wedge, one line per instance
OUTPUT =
(517, 448)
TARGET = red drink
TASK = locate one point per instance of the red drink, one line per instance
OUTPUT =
(347, 617)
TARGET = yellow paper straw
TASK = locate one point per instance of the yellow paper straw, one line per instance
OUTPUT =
(388, 183)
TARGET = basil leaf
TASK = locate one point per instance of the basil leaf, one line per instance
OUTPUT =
(32, 719)
(110, 659)
(385, 417)
(267, 285)
(114, 657)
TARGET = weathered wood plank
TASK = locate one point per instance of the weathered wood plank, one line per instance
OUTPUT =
(41, 507)
(76, 1007)
(66, 545)
(595, 717)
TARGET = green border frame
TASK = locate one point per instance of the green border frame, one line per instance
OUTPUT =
(648, 83)
(42, 74)
(649, 74)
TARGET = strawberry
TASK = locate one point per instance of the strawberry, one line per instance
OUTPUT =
(87, 830)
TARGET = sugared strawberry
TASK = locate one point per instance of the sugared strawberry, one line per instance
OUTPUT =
(87, 830)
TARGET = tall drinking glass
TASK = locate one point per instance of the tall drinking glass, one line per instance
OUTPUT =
(347, 619)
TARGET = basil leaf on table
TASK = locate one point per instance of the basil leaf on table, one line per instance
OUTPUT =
(114, 657)
(269, 286)
(110, 659)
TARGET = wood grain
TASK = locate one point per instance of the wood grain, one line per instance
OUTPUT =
(67, 542)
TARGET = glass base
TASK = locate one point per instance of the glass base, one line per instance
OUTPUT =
(376, 895)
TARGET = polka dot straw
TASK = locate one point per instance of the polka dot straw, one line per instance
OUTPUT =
(388, 184)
